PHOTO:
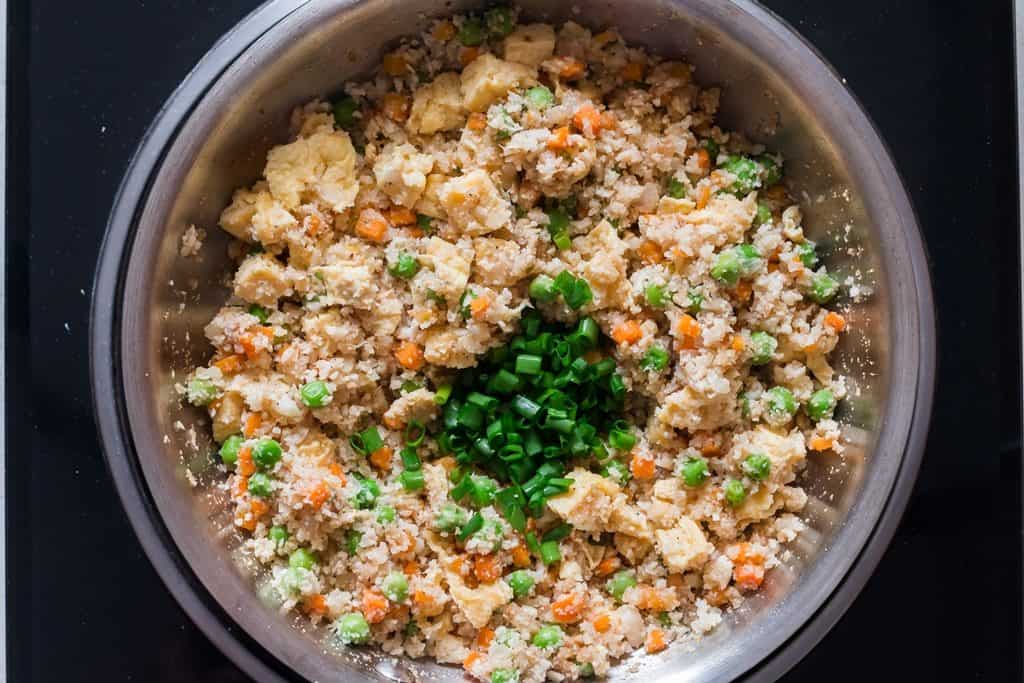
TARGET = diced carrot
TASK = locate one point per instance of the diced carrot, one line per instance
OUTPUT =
(642, 467)
(602, 623)
(572, 68)
(229, 364)
(774, 256)
(628, 332)
(458, 564)
(675, 580)
(521, 556)
(835, 321)
(651, 599)
(744, 553)
(258, 508)
(655, 641)
(744, 291)
(634, 71)
(819, 443)
(394, 64)
(737, 343)
(703, 159)
(444, 31)
(375, 606)
(608, 565)
(688, 326)
(650, 252)
(587, 120)
(568, 608)
(478, 306)
(381, 458)
(241, 486)
(248, 345)
(477, 122)
(704, 197)
(409, 355)
(559, 139)
(608, 120)
(470, 659)
(245, 520)
(484, 637)
(319, 495)
(245, 466)
(252, 423)
(748, 576)
(401, 216)
(336, 470)
(486, 568)
(371, 225)
(315, 604)
(312, 224)
(396, 107)
(422, 598)
(468, 54)
(410, 568)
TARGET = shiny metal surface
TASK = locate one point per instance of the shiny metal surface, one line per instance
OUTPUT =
(150, 306)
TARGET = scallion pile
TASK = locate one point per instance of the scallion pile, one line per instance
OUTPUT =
(525, 413)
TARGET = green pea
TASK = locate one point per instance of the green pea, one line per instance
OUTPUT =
(747, 173)
(201, 391)
(695, 471)
(499, 21)
(586, 670)
(352, 541)
(261, 313)
(665, 619)
(278, 534)
(675, 189)
(352, 629)
(520, 581)
(425, 223)
(727, 268)
(547, 637)
(345, 112)
(260, 485)
(781, 405)
(763, 215)
(655, 360)
(315, 394)
(405, 267)
(450, 517)
(618, 584)
(762, 348)
(367, 495)
(385, 514)
(821, 404)
(395, 587)
(266, 453)
(301, 558)
(471, 33)
(229, 450)
(694, 301)
(807, 251)
(750, 260)
(735, 492)
(757, 466)
(540, 97)
(772, 169)
(823, 288)
(657, 295)
(504, 676)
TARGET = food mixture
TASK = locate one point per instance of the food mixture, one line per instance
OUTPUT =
(524, 357)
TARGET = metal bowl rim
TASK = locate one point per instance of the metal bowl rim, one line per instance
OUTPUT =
(122, 460)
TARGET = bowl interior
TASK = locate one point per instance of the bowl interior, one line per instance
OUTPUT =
(774, 89)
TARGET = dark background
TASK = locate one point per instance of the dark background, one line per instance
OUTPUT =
(86, 78)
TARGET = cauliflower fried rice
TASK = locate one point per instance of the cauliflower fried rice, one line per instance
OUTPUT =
(539, 228)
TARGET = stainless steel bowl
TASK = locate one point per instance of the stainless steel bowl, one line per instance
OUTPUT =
(150, 305)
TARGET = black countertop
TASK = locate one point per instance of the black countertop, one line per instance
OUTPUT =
(87, 78)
